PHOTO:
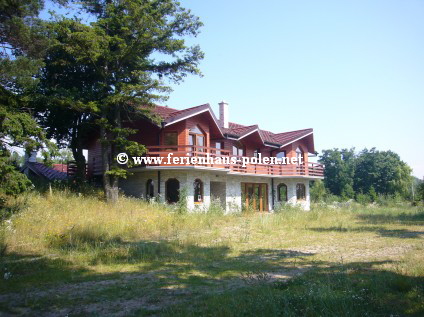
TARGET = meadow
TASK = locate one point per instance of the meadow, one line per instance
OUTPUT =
(65, 254)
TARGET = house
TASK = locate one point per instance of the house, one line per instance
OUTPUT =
(197, 133)
(41, 173)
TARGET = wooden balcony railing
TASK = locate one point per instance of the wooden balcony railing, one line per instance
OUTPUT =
(189, 151)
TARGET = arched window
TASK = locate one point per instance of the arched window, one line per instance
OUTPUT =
(300, 191)
(238, 149)
(282, 192)
(198, 191)
(300, 156)
(150, 189)
(196, 138)
(172, 187)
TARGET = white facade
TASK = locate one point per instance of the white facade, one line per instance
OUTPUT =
(224, 186)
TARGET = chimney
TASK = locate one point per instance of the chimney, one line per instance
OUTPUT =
(223, 114)
(32, 158)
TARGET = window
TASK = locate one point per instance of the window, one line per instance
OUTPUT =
(300, 192)
(150, 189)
(172, 188)
(198, 191)
(218, 146)
(281, 155)
(170, 138)
(238, 149)
(256, 153)
(196, 138)
(282, 192)
(299, 156)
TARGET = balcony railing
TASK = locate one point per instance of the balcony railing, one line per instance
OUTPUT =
(189, 151)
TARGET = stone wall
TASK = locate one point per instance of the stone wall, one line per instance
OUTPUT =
(135, 185)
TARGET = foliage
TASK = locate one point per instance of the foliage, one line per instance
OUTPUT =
(318, 191)
(23, 42)
(339, 170)
(420, 191)
(370, 171)
(99, 77)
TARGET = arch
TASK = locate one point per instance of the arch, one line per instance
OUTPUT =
(172, 190)
(150, 189)
(300, 155)
(197, 138)
(238, 149)
(300, 191)
(282, 192)
(198, 190)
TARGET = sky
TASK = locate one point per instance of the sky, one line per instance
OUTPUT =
(351, 70)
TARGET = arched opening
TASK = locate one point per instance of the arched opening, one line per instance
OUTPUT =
(300, 156)
(172, 187)
(198, 191)
(238, 149)
(150, 189)
(300, 191)
(282, 192)
(196, 138)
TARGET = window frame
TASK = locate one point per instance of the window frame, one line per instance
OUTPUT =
(150, 189)
(279, 193)
(167, 198)
(172, 147)
(198, 195)
(300, 191)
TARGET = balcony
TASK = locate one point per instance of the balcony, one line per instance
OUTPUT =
(185, 152)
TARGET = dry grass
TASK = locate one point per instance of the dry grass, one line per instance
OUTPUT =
(67, 254)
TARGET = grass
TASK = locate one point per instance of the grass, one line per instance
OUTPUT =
(65, 254)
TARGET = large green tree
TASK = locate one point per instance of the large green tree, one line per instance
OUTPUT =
(369, 171)
(23, 43)
(339, 171)
(383, 171)
(114, 68)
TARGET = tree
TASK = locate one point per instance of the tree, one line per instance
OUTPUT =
(369, 172)
(19, 42)
(318, 191)
(118, 66)
(382, 172)
(339, 171)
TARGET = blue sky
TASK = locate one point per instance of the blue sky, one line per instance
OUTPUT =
(351, 70)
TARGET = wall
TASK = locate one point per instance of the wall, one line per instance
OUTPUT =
(291, 193)
(135, 185)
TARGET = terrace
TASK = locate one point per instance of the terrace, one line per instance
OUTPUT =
(184, 152)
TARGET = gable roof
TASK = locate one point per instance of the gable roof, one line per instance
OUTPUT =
(46, 172)
(235, 130)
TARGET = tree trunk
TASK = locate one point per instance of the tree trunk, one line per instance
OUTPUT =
(77, 152)
(110, 182)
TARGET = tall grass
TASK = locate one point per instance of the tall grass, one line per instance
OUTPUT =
(65, 237)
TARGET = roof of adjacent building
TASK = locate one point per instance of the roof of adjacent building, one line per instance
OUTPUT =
(46, 172)
(235, 130)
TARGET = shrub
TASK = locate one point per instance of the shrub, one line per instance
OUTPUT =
(363, 199)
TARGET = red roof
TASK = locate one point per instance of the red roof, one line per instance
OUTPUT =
(237, 130)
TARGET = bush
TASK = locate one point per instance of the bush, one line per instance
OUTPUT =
(363, 199)
(317, 191)
(215, 207)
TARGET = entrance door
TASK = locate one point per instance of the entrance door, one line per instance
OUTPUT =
(255, 196)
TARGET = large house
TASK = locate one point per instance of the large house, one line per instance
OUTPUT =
(196, 132)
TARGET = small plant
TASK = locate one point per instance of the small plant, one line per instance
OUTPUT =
(182, 202)
(215, 207)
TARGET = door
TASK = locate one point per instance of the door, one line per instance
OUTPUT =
(255, 196)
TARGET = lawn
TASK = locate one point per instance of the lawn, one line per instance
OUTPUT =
(69, 255)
